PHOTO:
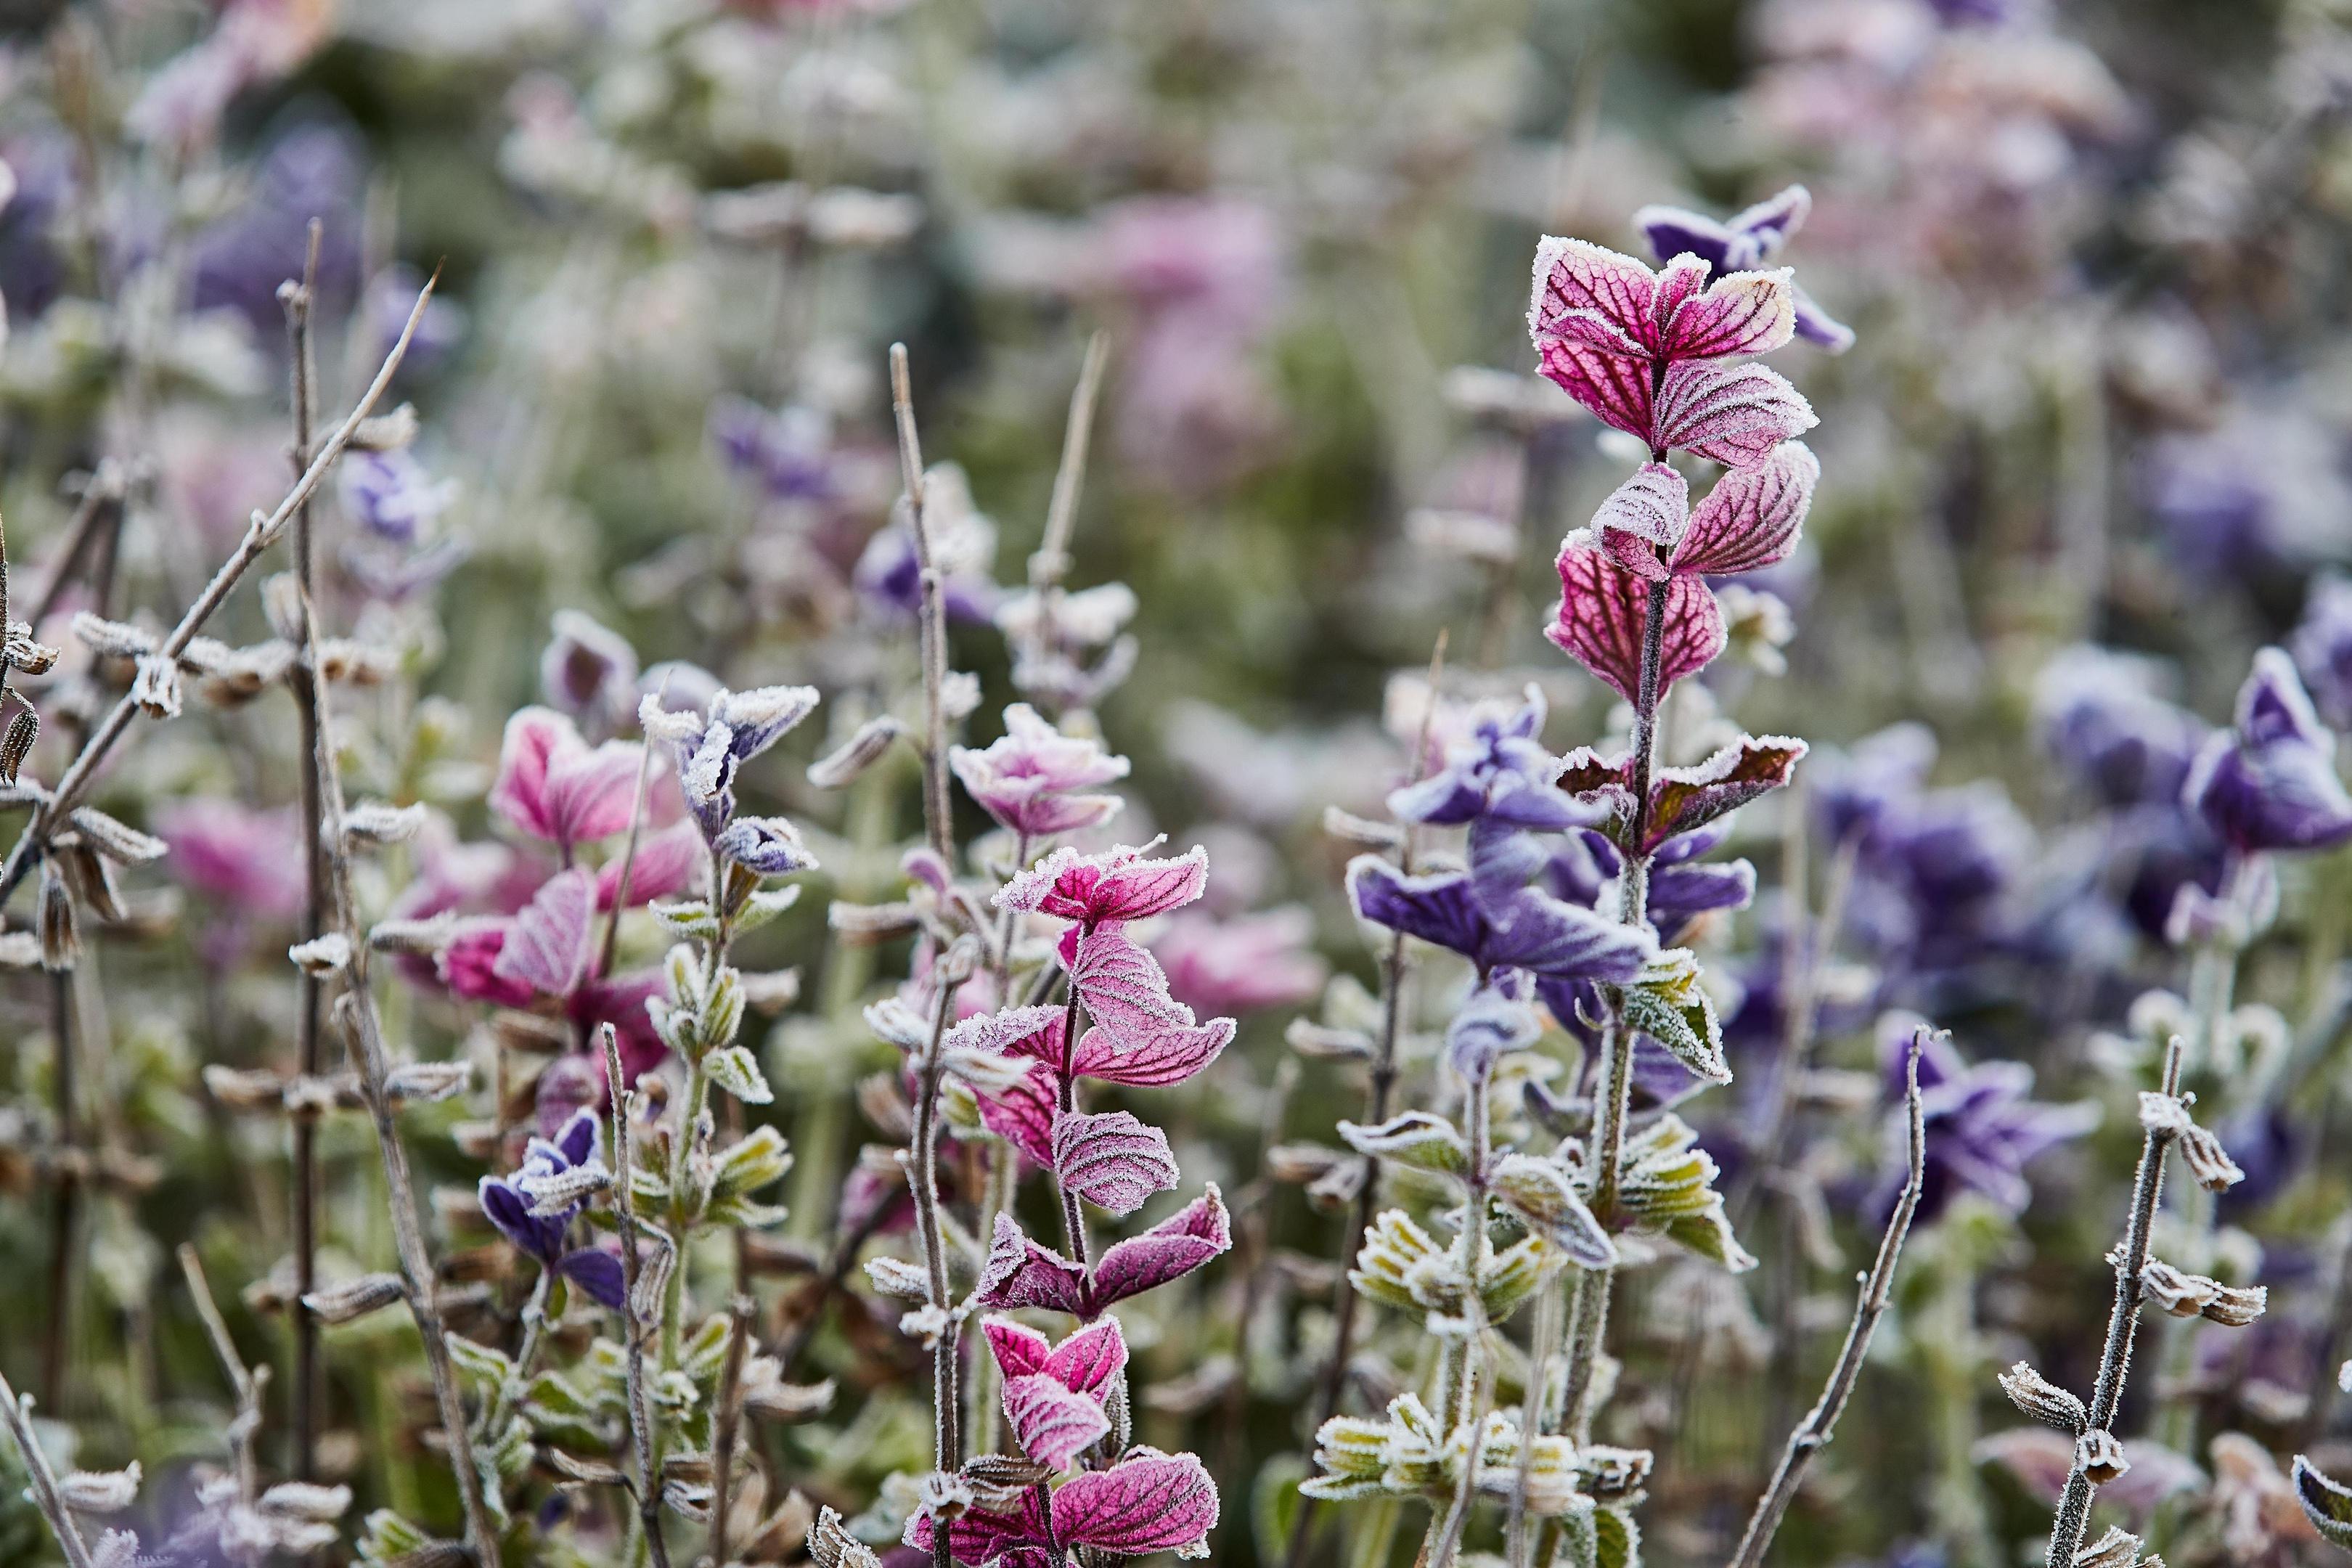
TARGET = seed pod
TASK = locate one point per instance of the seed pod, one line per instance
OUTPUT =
(100, 1491)
(426, 1083)
(376, 823)
(870, 925)
(1321, 1042)
(839, 767)
(17, 744)
(322, 958)
(116, 841)
(1300, 1163)
(54, 913)
(556, 1195)
(2036, 1395)
(87, 877)
(580, 1472)
(423, 938)
(112, 639)
(387, 432)
(832, 1546)
(19, 949)
(2100, 1457)
(253, 1088)
(2116, 1549)
(157, 688)
(349, 662)
(1353, 829)
(335, 1305)
(22, 652)
(281, 603)
(2208, 1164)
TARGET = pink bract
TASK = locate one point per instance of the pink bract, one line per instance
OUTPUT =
(553, 785)
(1118, 885)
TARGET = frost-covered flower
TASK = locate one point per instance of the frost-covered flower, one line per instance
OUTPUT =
(553, 785)
(1033, 780)
(247, 861)
(713, 745)
(964, 549)
(390, 495)
(1743, 243)
(2099, 716)
(589, 671)
(1148, 1501)
(1120, 884)
(2322, 645)
(770, 846)
(522, 1206)
(1983, 1128)
(2269, 783)
(1054, 1393)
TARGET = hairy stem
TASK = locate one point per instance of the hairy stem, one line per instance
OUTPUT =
(17, 1411)
(1445, 1534)
(632, 1332)
(1812, 1434)
(2115, 1360)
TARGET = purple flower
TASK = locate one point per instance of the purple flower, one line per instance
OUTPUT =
(2098, 717)
(391, 497)
(2269, 782)
(1856, 790)
(1033, 780)
(1982, 1127)
(1527, 928)
(1681, 889)
(713, 745)
(770, 845)
(789, 452)
(525, 1209)
(317, 170)
(1746, 243)
(1499, 774)
(589, 671)
(1246, 965)
(2322, 645)
(963, 548)
(385, 306)
(247, 861)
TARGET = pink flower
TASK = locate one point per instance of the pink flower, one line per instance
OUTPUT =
(1020, 1273)
(1642, 349)
(553, 785)
(1245, 964)
(548, 949)
(1148, 1501)
(1054, 1393)
(1118, 885)
(248, 861)
(1026, 1113)
(1647, 538)
(1030, 780)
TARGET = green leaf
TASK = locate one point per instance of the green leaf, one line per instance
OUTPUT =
(1666, 1002)
(750, 1164)
(1539, 1193)
(735, 1071)
(486, 1369)
(1666, 1185)
(1416, 1138)
(385, 1538)
(1395, 1249)
(687, 918)
(1617, 1540)
(764, 906)
(1509, 1276)
(2327, 1503)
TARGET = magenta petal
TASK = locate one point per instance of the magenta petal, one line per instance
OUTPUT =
(1020, 1350)
(1090, 1358)
(1653, 504)
(1120, 885)
(1123, 987)
(666, 863)
(1733, 414)
(547, 943)
(1169, 1250)
(1168, 1055)
(1112, 1160)
(1740, 313)
(1750, 519)
(520, 793)
(468, 965)
(1022, 1115)
(590, 794)
(1601, 615)
(1052, 1423)
(1616, 389)
(1578, 282)
(1020, 1273)
(1149, 1502)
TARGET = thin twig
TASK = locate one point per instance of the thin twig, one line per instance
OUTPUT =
(728, 1422)
(947, 1410)
(2115, 1360)
(632, 1332)
(259, 535)
(1813, 1434)
(937, 820)
(1052, 560)
(1446, 1539)
(297, 300)
(46, 1497)
(65, 1209)
(247, 1384)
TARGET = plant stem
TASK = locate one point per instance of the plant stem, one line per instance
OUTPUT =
(1812, 1434)
(632, 1332)
(65, 1212)
(297, 300)
(947, 1441)
(937, 818)
(1445, 1535)
(259, 535)
(726, 1423)
(2115, 1361)
(46, 1497)
(1613, 1096)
